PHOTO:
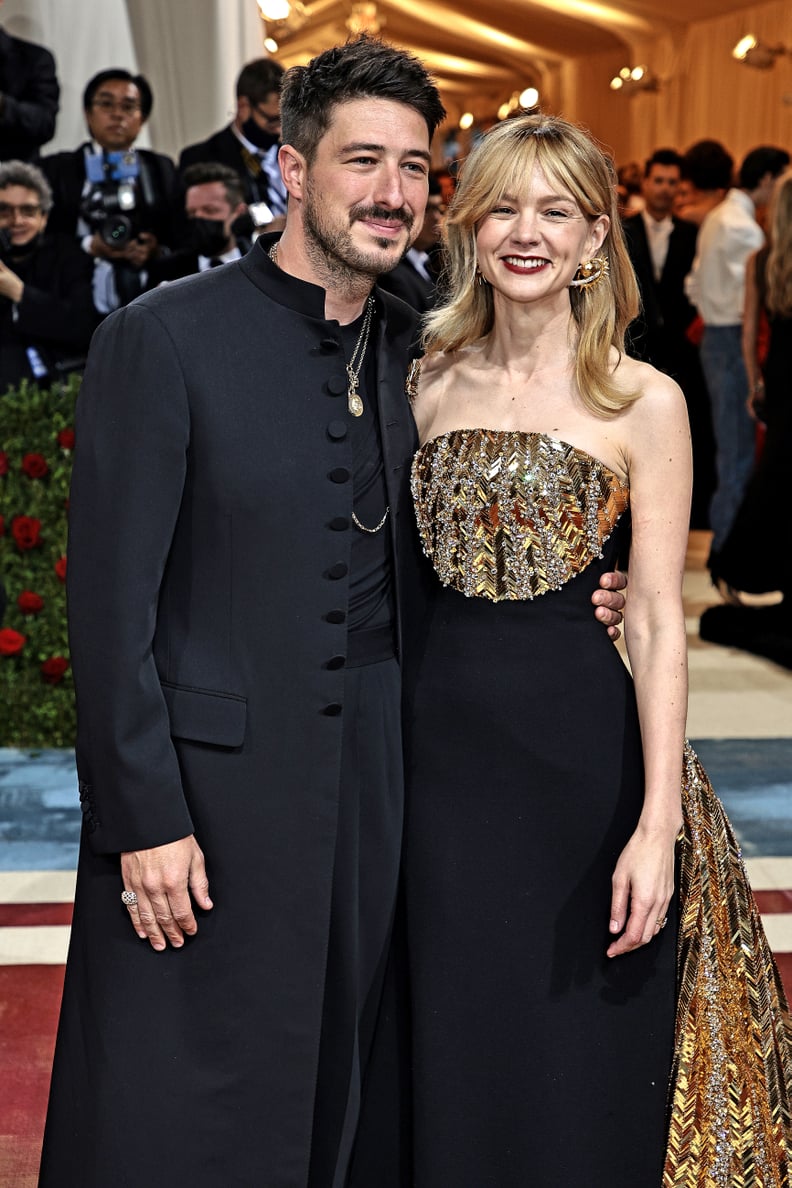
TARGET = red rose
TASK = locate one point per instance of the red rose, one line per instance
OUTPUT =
(53, 669)
(30, 603)
(66, 439)
(25, 531)
(60, 568)
(11, 641)
(34, 465)
(3, 462)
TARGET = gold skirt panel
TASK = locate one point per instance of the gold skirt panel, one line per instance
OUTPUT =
(731, 1082)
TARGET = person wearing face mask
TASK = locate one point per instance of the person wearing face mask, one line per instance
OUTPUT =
(249, 144)
(46, 313)
(214, 207)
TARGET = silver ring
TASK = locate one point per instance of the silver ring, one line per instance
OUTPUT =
(128, 898)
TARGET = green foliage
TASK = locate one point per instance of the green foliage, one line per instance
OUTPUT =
(36, 436)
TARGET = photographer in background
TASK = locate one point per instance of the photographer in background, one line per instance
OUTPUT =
(46, 313)
(215, 212)
(120, 201)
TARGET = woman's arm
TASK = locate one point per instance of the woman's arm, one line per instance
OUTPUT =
(658, 450)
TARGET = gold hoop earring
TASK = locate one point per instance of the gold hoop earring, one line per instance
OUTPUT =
(591, 272)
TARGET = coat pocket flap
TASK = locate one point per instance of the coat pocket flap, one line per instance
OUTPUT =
(203, 715)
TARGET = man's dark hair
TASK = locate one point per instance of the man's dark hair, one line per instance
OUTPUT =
(762, 160)
(365, 68)
(105, 76)
(205, 172)
(258, 79)
(663, 156)
(708, 166)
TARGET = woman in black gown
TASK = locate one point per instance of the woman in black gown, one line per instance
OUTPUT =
(546, 790)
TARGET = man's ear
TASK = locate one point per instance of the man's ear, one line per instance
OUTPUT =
(294, 171)
(243, 110)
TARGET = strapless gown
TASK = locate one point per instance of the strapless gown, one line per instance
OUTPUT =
(537, 1061)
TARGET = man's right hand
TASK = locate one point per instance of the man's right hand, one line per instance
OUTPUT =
(163, 879)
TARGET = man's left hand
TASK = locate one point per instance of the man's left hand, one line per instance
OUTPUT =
(610, 602)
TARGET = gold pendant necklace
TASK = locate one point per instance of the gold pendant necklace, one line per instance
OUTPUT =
(354, 402)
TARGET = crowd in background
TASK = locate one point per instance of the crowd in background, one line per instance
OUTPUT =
(84, 232)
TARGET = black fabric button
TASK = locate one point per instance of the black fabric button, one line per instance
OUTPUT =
(336, 662)
(339, 475)
(337, 430)
(336, 616)
(330, 344)
(333, 709)
(339, 524)
(338, 570)
(337, 384)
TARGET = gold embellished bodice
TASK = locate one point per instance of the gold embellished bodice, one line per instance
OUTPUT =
(505, 514)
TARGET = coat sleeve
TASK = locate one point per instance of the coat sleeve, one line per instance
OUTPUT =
(61, 310)
(132, 431)
(32, 111)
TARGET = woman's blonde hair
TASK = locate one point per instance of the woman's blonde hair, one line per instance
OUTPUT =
(501, 165)
(778, 296)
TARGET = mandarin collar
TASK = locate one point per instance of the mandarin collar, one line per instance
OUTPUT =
(290, 291)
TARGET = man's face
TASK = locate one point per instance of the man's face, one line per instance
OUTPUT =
(114, 117)
(659, 189)
(266, 113)
(21, 214)
(364, 195)
(210, 201)
(432, 226)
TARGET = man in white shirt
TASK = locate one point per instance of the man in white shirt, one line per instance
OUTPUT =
(716, 285)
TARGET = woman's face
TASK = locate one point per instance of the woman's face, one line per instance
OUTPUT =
(21, 214)
(530, 244)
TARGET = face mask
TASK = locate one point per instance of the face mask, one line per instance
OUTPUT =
(208, 236)
(259, 136)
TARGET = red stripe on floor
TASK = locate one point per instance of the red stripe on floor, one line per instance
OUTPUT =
(769, 902)
(15, 915)
(29, 1004)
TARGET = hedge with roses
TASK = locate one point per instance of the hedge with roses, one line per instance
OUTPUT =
(36, 445)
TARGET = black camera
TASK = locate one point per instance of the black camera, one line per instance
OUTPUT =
(111, 204)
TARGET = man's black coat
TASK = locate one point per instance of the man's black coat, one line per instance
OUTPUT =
(30, 94)
(210, 531)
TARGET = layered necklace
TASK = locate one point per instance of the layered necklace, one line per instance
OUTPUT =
(353, 367)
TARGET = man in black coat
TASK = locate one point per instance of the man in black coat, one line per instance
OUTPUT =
(414, 278)
(29, 94)
(249, 144)
(236, 528)
(662, 248)
(120, 201)
(213, 206)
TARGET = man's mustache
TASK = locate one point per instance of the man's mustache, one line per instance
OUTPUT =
(400, 215)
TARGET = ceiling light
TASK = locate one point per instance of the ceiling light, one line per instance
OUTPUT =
(274, 10)
(529, 97)
(632, 79)
(364, 18)
(757, 53)
(466, 120)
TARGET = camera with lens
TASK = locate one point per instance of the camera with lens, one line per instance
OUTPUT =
(111, 204)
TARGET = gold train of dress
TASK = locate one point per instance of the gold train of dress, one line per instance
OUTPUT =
(511, 515)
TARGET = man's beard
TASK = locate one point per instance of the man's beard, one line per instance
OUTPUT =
(335, 253)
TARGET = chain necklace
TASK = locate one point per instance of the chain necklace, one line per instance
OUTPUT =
(354, 402)
(371, 531)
